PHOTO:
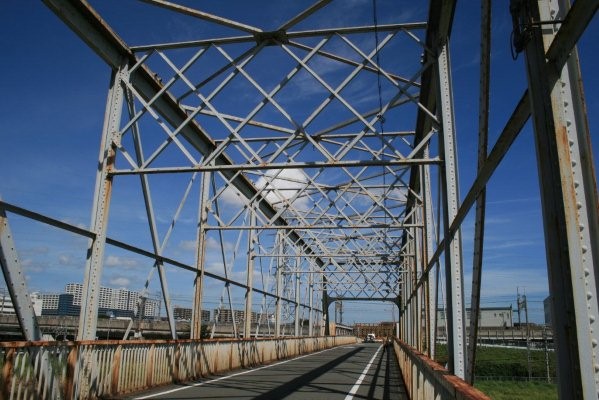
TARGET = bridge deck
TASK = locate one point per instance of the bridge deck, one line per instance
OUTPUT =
(362, 371)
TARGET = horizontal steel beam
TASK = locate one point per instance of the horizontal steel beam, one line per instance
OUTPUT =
(288, 35)
(310, 227)
(269, 166)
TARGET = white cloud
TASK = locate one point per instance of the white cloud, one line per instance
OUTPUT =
(281, 186)
(509, 244)
(187, 245)
(211, 244)
(232, 196)
(65, 259)
(215, 268)
(116, 261)
(284, 186)
(30, 265)
(120, 281)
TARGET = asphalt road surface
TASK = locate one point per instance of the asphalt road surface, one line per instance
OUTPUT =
(360, 371)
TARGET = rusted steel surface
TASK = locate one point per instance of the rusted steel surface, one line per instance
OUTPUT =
(97, 369)
(426, 379)
(7, 371)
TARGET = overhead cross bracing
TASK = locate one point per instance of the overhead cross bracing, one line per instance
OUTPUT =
(309, 132)
(284, 159)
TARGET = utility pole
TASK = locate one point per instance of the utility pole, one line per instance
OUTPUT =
(546, 353)
(518, 302)
(522, 303)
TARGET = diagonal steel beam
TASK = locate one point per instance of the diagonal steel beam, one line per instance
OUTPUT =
(203, 15)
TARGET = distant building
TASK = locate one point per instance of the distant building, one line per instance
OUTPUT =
(116, 302)
(6, 306)
(490, 317)
(380, 329)
(183, 313)
(50, 303)
(37, 302)
(224, 316)
(66, 305)
(120, 302)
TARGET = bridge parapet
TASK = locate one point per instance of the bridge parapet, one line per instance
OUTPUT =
(95, 369)
(426, 379)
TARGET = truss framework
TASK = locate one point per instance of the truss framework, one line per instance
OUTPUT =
(301, 150)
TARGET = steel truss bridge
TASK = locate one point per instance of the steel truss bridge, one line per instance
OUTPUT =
(325, 154)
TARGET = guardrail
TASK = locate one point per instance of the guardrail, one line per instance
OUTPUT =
(426, 379)
(95, 369)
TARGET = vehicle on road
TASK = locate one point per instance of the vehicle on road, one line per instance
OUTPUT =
(370, 338)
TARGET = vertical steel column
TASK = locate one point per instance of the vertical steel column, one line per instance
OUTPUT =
(279, 285)
(429, 228)
(414, 299)
(479, 224)
(409, 314)
(15, 282)
(405, 295)
(247, 330)
(417, 274)
(311, 304)
(456, 340)
(145, 185)
(99, 224)
(196, 317)
(325, 307)
(297, 298)
(569, 202)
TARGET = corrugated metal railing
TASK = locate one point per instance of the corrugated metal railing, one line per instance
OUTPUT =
(426, 379)
(95, 369)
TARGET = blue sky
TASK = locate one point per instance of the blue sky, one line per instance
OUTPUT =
(52, 106)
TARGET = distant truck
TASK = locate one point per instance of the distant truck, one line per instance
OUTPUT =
(370, 338)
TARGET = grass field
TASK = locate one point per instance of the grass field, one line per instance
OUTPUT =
(509, 367)
(510, 390)
(506, 362)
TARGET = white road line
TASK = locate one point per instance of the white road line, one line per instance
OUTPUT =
(149, 396)
(356, 386)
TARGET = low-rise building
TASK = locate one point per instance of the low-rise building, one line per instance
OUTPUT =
(490, 317)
